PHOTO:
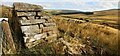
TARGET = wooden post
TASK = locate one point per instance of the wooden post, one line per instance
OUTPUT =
(1, 36)
(8, 35)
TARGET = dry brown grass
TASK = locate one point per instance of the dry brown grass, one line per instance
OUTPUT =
(5, 11)
(108, 20)
(0, 11)
(100, 35)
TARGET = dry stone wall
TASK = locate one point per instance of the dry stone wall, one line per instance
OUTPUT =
(34, 25)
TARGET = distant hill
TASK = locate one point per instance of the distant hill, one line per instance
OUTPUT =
(107, 12)
(59, 12)
(103, 12)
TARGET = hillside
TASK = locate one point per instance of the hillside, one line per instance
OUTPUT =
(107, 17)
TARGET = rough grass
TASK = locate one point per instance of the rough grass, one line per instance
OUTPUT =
(84, 38)
(107, 20)
(100, 36)
(103, 38)
(5, 11)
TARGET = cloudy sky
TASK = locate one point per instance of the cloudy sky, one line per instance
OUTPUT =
(81, 5)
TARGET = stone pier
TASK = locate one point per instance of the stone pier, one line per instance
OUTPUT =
(34, 24)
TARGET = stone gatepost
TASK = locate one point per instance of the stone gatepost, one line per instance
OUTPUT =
(34, 24)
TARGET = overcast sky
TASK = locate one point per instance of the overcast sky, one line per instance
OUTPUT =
(81, 5)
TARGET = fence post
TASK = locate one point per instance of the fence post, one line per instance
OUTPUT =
(1, 36)
(8, 35)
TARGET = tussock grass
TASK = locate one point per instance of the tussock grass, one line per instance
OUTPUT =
(100, 35)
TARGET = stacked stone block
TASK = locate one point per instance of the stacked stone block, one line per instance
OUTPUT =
(34, 25)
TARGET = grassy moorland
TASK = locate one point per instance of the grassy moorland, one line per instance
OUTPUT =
(81, 39)
(101, 29)
(89, 38)
(107, 17)
(98, 37)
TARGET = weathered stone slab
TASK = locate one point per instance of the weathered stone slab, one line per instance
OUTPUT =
(35, 37)
(39, 36)
(29, 22)
(28, 39)
(38, 17)
(50, 20)
(30, 29)
(31, 18)
(49, 24)
(45, 17)
(26, 7)
(29, 34)
(24, 18)
(25, 38)
(39, 13)
(26, 13)
(41, 25)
